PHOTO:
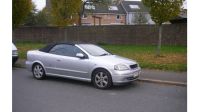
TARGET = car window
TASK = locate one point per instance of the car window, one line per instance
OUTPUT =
(94, 50)
(65, 50)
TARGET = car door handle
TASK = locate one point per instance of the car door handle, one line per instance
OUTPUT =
(58, 60)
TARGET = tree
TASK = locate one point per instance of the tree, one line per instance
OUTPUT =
(36, 18)
(64, 12)
(43, 18)
(162, 11)
(140, 18)
(21, 9)
(31, 19)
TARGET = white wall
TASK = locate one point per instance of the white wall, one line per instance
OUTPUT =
(131, 17)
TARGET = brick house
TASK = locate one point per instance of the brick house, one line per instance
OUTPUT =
(127, 12)
(103, 15)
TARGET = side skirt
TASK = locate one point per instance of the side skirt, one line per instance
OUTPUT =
(69, 77)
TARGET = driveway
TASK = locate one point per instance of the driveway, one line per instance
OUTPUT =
(64, 95)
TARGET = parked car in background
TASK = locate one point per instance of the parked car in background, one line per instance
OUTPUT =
(14, 54)
(85, 62)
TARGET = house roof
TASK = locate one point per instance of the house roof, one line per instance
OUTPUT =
(105, 9)
(127, 6)
(123, 8)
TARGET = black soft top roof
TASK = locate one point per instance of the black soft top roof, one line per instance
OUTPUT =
(49, 46)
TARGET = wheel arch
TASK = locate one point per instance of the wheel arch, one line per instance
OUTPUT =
(38, 62)
(99, 68)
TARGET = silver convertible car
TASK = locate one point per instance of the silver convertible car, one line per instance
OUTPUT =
(85, 62)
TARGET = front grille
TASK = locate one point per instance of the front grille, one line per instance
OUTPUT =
(132, 78)
(133, 66)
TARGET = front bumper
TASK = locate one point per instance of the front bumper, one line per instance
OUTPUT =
(123, 77)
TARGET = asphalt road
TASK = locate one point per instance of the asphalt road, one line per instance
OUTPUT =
(64, 95)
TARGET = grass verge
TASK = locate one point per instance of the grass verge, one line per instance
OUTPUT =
(173, 58)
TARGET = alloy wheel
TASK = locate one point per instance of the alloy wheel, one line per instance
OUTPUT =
(101, 79)
(38, 71)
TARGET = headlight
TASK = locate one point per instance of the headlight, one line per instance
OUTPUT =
(14, 52)
(121, 67)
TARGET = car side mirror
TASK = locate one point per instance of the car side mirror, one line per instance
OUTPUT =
(80, 55)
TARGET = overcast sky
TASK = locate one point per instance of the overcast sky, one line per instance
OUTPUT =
(40, 4)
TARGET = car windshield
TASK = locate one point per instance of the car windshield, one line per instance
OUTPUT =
(94, 50)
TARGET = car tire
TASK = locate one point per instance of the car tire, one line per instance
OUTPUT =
(102, 79)
(38, 72)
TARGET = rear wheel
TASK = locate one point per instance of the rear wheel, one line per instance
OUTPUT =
(38, 72)
(102, 79)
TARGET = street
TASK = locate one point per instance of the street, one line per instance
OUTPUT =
(64, 95)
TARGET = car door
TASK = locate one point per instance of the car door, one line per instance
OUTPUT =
(49, 60)
(67, 63)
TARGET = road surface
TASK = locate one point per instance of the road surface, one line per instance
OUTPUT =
(64, 95)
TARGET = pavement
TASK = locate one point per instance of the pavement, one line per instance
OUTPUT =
(165, 77)
(64, 95)
(152, 76)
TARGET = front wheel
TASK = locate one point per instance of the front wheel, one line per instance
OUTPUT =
(38, 72)
(102, 79)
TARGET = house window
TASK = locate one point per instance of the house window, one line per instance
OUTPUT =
(134, 6)
(112, 8)
(118, 17)
(90, 7)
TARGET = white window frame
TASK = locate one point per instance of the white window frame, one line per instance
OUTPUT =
(134, 6)
(89, 7)
(113, 8)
